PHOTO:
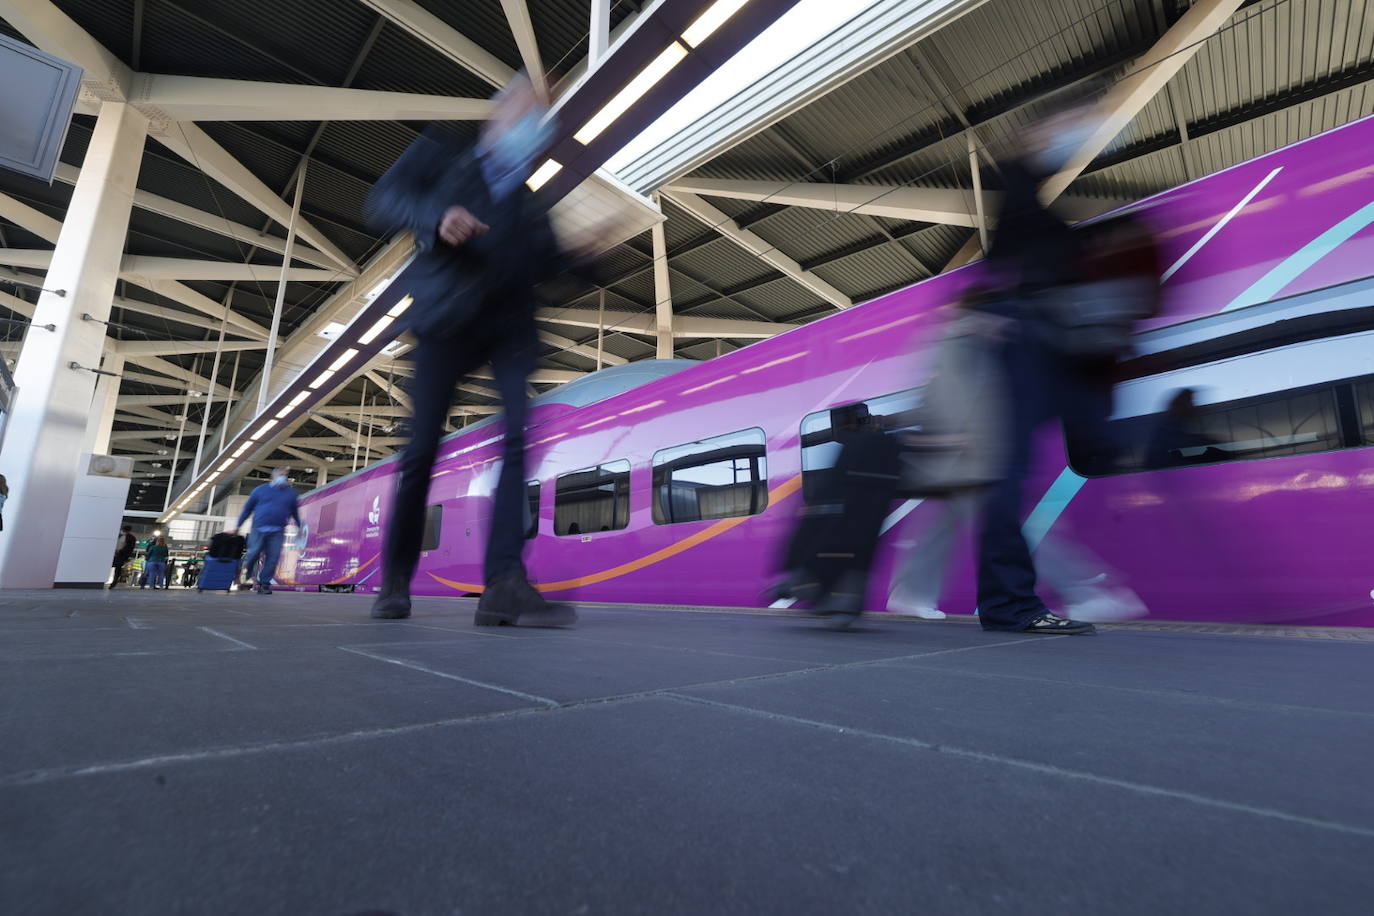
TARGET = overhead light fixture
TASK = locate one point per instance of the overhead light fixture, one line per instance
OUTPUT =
(343, 359)
(323, 377)
(225, 466)
(376, 329)
(378, 289)
(396, 310)
(543, 174)
(712, 19)
(658, 68)
(262, 430)
(292, 404)
(241, 449)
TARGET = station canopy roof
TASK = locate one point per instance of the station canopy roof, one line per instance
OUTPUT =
(813, 194)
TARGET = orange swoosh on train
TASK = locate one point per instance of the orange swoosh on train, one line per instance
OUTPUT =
(778, 493)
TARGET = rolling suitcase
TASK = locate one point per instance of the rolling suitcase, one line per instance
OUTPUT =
(218, 575)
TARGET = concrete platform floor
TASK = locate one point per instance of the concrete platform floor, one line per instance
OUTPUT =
(178, 753)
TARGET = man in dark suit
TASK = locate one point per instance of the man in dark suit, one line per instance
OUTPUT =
(484, 241)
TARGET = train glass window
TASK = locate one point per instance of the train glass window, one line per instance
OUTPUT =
(532, 509)
(819, 448)
(434, 521)
(328, 518)
(592, 499)
(722, 477)
(1184, 433)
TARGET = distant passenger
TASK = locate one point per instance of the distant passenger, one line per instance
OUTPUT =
(574, 528)
(485, 241)
(155, 565)
(1072, 297)
(125, 545)
(4, 496)
(272, 505)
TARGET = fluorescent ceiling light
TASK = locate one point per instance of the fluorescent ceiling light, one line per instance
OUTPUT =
(543, 174)
(291, 404)
(378, 289)
(323, 377)
(343, 359)
(224, 467)
(262, 430)
(712, 19)
(637, 87)
(393, 347)
(396, 310)
(376, 329)
(331, 330)
(242, 448)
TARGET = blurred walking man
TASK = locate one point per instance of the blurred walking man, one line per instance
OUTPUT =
(484, 242)
(272, 505)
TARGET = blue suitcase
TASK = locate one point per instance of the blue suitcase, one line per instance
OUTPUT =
(217, 575)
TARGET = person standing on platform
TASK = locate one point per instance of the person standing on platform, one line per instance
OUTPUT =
(125, 545)
(484, 242)
(155, 564)
(1055, 365)
(272, 505)
(4, 496)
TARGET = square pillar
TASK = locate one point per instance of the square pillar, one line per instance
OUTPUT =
(43, 455)
(663, 294)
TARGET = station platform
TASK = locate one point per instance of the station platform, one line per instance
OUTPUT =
(173, 752)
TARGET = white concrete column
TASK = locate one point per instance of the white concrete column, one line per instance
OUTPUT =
(42, 455)
(103, 406)
(599, 36)
(663, 294)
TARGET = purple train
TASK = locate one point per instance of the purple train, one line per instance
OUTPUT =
(677, 482)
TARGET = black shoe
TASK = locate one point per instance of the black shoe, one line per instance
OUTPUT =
(511, 601)
(264, 589)
(392, 604)
(1053, 625)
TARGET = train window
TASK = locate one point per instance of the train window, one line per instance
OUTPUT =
(328, 518)
(819, 447)
(532, 509)
(721, 477)
(1271, 426)
(434, 522)
(592, 499)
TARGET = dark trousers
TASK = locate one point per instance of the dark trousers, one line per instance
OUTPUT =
(1041, 386)
(120, 560)
(439, 363)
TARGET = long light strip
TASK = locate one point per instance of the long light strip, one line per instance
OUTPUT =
(262, 430)
(712, 19)
(376, 329)
(343, 359)
(542, 174)
(645, 80)
(291, 405)
(323, 377)
(396, 310)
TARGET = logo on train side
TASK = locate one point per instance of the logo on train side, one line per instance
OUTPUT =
(375, 514)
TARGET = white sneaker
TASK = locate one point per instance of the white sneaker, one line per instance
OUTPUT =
(1116, 604)
(904, 608)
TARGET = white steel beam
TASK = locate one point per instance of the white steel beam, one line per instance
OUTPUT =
(180, 292)
(663, 292)
(194, 269)
(195, 146)
(182, 375)
(948, 206)
(196, 98)
(755, 245)
(212, 222)
(646, 323)
(26, 217)
(444, 38)
(16, 305)
(599, 36)
(180, 317)
(135, 267)
(542, 376)
(391, 389)
(572, 346)
(518, 15)
(136, 348)
(1129, 95)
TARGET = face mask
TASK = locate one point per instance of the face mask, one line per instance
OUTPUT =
(278, 481)
(522, 142)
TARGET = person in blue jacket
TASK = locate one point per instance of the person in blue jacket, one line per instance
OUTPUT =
(272, 505)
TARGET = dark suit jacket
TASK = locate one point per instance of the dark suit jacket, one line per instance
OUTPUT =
(489, 278)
